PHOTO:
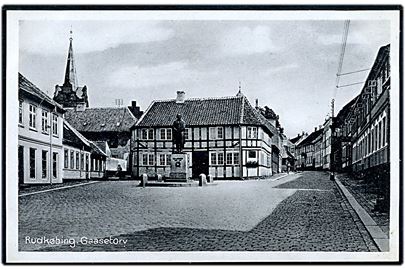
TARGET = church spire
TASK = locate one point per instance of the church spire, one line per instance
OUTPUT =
(70, 74)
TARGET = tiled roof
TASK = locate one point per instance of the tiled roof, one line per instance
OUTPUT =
(204, 112)
(311, 137)
(101, 119)
(26, 86)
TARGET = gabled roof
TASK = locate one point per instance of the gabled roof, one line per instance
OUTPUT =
(73, 137)
(27, 87)
(101, 119)
(234, 110)
(296, 139)
(311, 137)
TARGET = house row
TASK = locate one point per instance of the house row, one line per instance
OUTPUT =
(50, 150)
(362, 127)
(357, 139)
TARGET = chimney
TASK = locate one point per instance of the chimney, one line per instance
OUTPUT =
(316, 129)
(135, 110)
(320, 126)
(257, 103)
(181, 96)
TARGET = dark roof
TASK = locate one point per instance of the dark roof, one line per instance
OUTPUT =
(101, 119)
(296, 139)
(25, 86)
(72, 138)
(341, 116)
(234, 110)
(311, 137)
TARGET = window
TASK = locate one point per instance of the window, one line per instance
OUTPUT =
(252, 132)
(252, 154)
(150, 134)
(236, 158)
(164, 159)
(32, 162)
(229, 159)
(33, 116)
(72, 159)
(220, 132)
(169, 134)
(213, 158)
(44, 163)
(144, 134)
(44, 121)
(81, 161)
(151, 159)
(163, 134)
(147, 134)
(148, 159)
(54, 124)
(20, 112)
(220, 159)
(384, 132)
(186, 132)
(66, 161)
(55, 165)
(166, 134)
(145, 159)
(77, 160)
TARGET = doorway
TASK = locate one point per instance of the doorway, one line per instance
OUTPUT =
(200, 163)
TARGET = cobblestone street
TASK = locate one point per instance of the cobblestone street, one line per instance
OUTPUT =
(300, 212)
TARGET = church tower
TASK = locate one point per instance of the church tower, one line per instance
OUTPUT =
(70, 95)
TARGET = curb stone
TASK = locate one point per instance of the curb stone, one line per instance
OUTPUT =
(379, 237)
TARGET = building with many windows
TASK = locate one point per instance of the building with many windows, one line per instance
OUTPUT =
(225, 137)
(307, 151)
(40, 133)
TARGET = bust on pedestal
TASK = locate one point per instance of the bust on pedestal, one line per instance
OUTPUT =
(179, 167)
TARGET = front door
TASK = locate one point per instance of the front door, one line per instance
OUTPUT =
(200, 163)
(20, 165)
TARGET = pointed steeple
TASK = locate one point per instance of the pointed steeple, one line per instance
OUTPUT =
(70, 74)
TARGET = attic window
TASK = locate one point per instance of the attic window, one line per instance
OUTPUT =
(118, 124)
(85, 123)
(103, 124)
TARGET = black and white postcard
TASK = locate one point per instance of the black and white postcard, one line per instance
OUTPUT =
(203, 134)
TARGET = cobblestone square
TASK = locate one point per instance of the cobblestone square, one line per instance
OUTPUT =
(299, 212)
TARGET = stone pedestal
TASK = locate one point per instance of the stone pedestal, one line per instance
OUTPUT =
(179, 167)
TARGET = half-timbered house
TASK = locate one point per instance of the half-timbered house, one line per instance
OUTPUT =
(225, 137)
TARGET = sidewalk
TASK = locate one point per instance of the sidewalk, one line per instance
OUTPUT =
(366, 198)
(28, 189)
(362, 201)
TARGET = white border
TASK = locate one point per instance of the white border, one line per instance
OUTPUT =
(11, 140)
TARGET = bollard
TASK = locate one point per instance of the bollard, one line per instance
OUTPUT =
(144, 179)
(202, 180)
(332, 176)
(159, 178)
(210, 179)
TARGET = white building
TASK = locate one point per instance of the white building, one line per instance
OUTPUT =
(40, 132)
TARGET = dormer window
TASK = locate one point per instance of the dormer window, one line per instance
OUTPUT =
(84, 124)
(118, 124)
(103, 125)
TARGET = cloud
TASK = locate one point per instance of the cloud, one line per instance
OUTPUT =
(51, 37)
(151, 76)
(247, 40)
(280, 69)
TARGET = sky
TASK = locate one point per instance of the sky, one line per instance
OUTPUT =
(289, 66)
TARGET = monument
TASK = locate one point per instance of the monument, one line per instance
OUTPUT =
(179, 166)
